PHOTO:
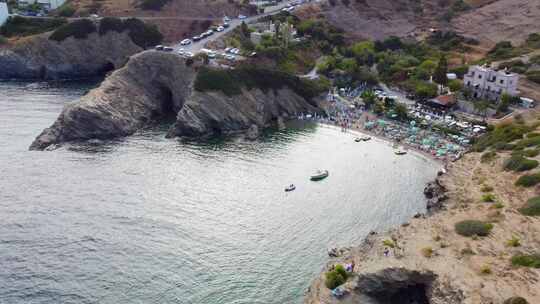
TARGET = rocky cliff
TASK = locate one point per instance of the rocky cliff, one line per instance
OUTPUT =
(156, 84)
(38, 57)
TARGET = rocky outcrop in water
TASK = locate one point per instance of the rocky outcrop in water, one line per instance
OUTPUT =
(38, 57)
(157, 84)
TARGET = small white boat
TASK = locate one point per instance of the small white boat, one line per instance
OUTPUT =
(319, 175)
(290, 188)
(400, 151)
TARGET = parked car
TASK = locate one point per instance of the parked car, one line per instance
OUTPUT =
(220, 29)
(188, 55)
(226, 19)
(241, 17)
(197, 38)
(168, 49)
(159, 47)
(185, 42)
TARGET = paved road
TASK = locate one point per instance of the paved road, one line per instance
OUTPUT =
(197, 46)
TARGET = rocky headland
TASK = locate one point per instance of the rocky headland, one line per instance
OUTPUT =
(153, 85)
(78, 49)
(39, 57)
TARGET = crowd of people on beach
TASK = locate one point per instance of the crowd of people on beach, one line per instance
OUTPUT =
(424, 139)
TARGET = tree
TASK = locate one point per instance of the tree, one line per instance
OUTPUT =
(378, 108)
(481, 106)
(401, 111)
(245, 29)
(425, 90)
(439, 76)
(455, 85)
(369, 98)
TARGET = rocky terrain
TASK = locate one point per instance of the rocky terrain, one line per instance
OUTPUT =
(428, 262)
(176, 20)
(38, 57)
(489, 21)
(154, 85)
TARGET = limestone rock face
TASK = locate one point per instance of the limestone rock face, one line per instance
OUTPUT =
(213, 113)
(151, 85)
(40, 58)
(156, 84)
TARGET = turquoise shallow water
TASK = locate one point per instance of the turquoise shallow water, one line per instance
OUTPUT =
(152, 220)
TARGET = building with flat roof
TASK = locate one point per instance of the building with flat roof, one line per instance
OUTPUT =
(490, 84)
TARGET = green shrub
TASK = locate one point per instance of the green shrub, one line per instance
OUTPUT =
(500, 135)
(335, 277)
(19, 26)
(389, 243)
(427, 252)
(498, 205)
(142, 34)
(467, 251)
(488, 156)
(155, 5)
(513, 242)
(65, 10)
(515, 300)
(485, 269)
(530, 152)
(78, 29)
(519, 163)
(3, 40)
(532, 207)
(528, 142)
(111, 24)
(473, 227)
(526, 260)
(528, 180)
(486, 188)
(231, 82)
(533, 76)
(488, 198)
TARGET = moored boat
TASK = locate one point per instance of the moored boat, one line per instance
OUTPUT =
(290, 188)
(319, 175)
(400, 151)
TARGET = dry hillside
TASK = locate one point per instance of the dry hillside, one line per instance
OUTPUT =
(488, 20)
(177, 19)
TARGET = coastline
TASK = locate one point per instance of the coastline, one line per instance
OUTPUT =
(379, 137)
(428, 253)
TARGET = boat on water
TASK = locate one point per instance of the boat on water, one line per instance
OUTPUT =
(319, 175)
(400, 151)
(290, 188)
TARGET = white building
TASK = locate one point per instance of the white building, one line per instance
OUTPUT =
(4, 14)
(490, 84)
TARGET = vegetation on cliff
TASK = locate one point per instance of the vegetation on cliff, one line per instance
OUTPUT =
(20, 26)
(142, 34)
(79, 29)
(336, 277)
(532, 207)
(231, 82)
(473, 227)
